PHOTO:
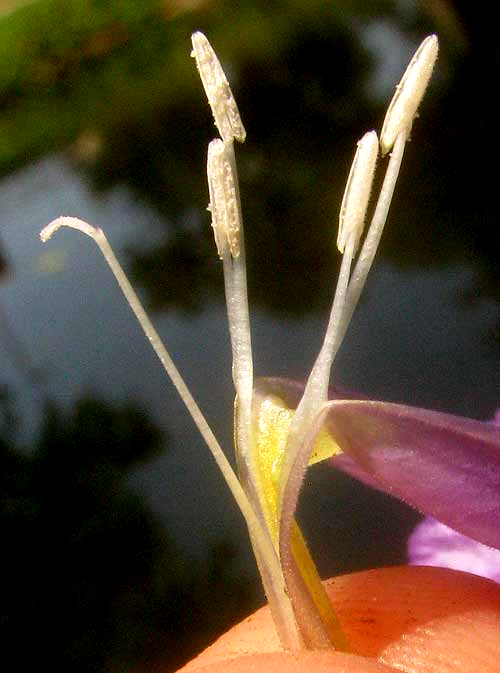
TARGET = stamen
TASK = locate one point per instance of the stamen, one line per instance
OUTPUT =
(374, 234)
(219, 94)
(351, 220)
(227, 223)
(396, 129)
(409, 92)
(357, 191)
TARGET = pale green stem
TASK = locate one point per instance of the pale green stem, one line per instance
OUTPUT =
(235, 280)
(316, 390)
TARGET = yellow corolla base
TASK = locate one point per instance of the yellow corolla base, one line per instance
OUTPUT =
(272, 421)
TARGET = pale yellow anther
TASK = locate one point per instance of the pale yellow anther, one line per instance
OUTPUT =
(224, 204)
(219, 94)
(357, 191)
(409, 92)
(215, 189)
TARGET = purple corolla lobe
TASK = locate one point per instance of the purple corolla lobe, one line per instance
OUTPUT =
(445, 466)
(433, 544)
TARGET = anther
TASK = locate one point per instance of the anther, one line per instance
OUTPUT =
(409, 92)
(219, 94)
(357, 191)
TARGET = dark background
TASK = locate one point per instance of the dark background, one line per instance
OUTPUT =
(123, 548)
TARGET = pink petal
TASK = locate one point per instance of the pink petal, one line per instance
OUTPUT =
(446, 466)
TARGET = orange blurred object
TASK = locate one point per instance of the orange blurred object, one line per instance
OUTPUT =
(413, 619)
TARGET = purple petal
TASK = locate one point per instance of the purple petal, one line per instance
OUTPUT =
(434, 544)
(446, 466)
(346, 464)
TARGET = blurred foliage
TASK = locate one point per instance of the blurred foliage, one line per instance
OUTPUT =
(66, 66)
(112, 81)
(90, 581)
